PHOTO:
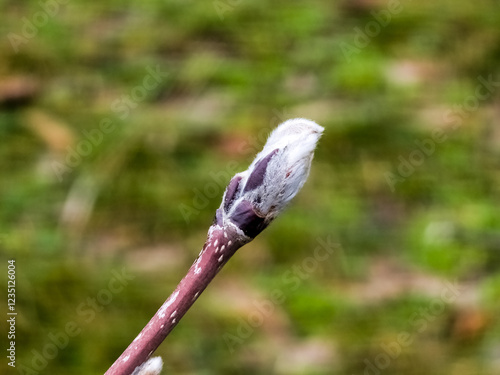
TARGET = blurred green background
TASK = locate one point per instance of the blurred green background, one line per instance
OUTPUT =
(122, 122)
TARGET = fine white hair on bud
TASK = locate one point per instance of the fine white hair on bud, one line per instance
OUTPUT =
(152, 366)
(256, 196)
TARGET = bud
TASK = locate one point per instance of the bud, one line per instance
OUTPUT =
(153, 366)
(256, 196)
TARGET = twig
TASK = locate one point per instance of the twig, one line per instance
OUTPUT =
(252, 200)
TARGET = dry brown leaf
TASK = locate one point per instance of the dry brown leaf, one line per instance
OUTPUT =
(16, 90)
(54, 133)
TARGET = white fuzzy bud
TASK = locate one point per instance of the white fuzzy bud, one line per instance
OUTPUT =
(256, 196)
(152, 366)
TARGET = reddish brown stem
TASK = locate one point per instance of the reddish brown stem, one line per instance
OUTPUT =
(221, 244)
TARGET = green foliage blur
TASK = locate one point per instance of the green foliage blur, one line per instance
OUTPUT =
(121, 122)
